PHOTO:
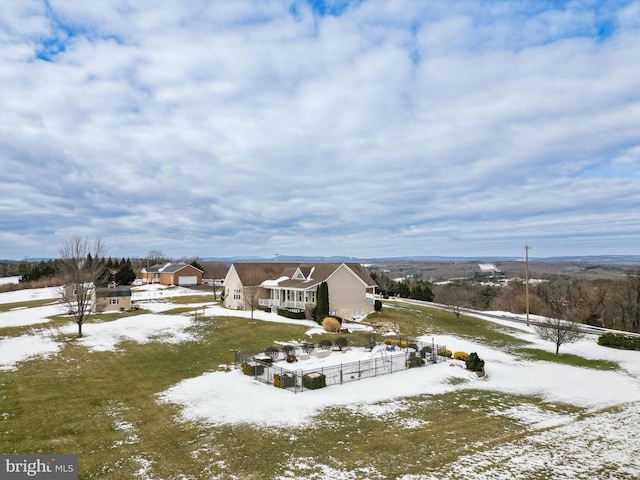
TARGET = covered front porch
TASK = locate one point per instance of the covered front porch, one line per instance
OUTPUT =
(290, 298)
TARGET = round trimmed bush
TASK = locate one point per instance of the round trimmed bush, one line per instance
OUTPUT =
(461, 356)
(330, 324)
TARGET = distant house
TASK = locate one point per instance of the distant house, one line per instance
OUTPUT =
(172, 274)
(108, 299)
(72, 292)
(293, 286)
(112, 299)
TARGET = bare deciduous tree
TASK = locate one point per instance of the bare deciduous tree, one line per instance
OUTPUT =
(215, 271)
(251, 290)
(384, 283)
(556, 330)
(155, 257)
(631, 301)
(454, 296)
(81, 264)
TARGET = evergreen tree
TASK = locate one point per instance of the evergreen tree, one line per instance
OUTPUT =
(30, 272)
(125, 275)
(402, 289)
(196, 264)
(421, 290)
(104, 278)
(322, 301)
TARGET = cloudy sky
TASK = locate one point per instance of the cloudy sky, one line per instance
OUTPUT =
(363, 128)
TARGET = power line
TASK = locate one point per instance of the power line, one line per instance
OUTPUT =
(526, 280)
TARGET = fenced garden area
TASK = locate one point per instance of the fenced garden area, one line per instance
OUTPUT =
(306, 366)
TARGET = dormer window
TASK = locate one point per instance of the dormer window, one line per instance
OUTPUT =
(298, 275)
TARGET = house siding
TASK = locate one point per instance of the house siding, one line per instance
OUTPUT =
(347, 289)
(103, 304)
(171, 278)
(231, 283)
(347, 293)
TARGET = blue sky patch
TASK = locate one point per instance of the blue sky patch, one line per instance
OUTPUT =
(333, 8)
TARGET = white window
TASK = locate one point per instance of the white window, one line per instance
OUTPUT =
(357, 312)
(114, 301)
(236, 294)
(299, 296)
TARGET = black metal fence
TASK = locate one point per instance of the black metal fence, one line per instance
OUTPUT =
(379, 359)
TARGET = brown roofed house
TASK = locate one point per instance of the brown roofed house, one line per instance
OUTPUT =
(293, 286)
(172, 274)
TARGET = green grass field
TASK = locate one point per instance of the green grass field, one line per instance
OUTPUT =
(104, 407)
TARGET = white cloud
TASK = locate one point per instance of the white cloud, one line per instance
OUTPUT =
(390, 126)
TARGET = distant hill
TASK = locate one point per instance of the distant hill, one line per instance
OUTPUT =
(591, 259)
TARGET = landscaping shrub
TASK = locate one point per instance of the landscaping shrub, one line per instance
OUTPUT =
(272, 353)
(310, 312)
(377, 305)
(294, 314)
(252, 370)
(444, 352)
(330, 324)
(284, 381)
(415, 361)
(308, 347)
(461, 356)
(619, 340)
(341, 342)
(289, 349)
(314, 381)
(475, 363)
(325, 344)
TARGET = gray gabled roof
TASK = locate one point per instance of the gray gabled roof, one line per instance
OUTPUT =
(283, 273)
(168, 267)
(119, 291)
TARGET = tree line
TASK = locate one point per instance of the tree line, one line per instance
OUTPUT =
(109, 270)
(607, 303)
(414, 289)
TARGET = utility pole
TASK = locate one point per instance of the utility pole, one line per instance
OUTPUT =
(526, 280)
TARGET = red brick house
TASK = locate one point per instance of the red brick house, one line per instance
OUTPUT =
(172, 274)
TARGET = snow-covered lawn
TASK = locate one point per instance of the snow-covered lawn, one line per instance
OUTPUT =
(140, 328)
(8, 280)
(214, 396)
(575, 443)
(30, 294)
